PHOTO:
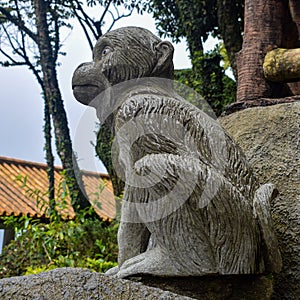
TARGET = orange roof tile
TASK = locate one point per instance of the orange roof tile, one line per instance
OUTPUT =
(17, 198)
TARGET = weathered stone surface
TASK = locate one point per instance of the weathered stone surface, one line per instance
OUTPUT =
(270, 139)
(232, 287)
(76, 283)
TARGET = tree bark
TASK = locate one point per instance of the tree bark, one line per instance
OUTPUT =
(295, 12)
(56, 107)
(230, 30)
(282, 65)
(264, 20)
(49, 156)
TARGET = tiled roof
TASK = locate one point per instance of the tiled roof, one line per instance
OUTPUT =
(15, 198)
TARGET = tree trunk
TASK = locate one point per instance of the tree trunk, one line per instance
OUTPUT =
(56, 107)
(264, 20)
(295, 14)
(49, 157)
(230, 30)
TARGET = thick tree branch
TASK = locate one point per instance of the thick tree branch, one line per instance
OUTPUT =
(282, 65)
(56, 109)
(56, 37)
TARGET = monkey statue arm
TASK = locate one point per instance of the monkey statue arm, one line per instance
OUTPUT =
(135, 237)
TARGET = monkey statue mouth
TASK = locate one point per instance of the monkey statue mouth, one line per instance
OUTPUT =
(85, 93)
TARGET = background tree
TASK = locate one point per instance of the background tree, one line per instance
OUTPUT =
(31, 32)
(268, 25)
(217, 88)
(196, 20)
(93, 27)
(31, 36)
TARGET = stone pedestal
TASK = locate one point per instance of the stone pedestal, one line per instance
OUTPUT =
(236, 287)
(76, 283)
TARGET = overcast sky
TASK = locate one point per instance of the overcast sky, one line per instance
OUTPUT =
(21, 113)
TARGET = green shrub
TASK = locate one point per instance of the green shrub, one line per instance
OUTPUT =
(45, 244)
(208, 79)
(41, 246)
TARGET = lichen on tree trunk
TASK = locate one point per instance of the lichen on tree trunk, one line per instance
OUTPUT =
(282, 65)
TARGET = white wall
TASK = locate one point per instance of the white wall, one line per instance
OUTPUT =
(1, 239)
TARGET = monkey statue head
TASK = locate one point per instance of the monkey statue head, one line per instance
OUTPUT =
(121, 55)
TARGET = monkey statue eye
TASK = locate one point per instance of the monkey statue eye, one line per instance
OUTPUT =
(106, 50)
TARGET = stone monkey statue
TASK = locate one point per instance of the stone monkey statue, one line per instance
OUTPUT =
(191, 204)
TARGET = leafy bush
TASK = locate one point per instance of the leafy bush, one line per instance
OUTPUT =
(209, 80)
(44, 244)
(40, 246)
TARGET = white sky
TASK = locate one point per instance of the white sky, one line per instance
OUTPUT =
(21, 112)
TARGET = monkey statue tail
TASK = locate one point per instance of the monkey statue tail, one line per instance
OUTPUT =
(262, 211)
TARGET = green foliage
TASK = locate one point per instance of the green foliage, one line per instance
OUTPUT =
(139, 5)
(192, 19)
(52, 242)
(208, 79)
(195, 20)
(41, 246)
(178, 19)
(223, 53)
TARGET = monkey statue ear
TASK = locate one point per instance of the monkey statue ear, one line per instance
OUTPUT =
(164, 60)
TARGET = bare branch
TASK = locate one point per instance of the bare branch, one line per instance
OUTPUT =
(22, 32)
(10, 39)
(86, 19)
(13, 61)
(21, 52)
(19, 23)
(84, 29)
(118, 17)
(105, 11)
